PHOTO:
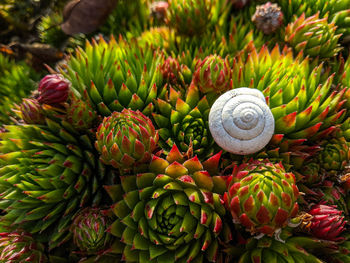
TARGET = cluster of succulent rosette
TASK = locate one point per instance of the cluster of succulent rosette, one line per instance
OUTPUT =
(112, 157)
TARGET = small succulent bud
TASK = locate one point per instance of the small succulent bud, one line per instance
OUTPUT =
(32, 112)
(213, 74)
(170, 70)
(268, 18)
(53, 89)
(80, 113)
(89, 230)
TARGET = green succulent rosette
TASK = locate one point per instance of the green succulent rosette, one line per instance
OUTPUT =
(80, 113)
(190, 17)
(184, 121)
(47, 172)
(126, 139)
(172, 213)
(116, 75)
(89, 229)
(311, 173)
(18, 247)
(336, 11)
(262, 196)
(314, 36)
(289, 248)
(299, 93)
(213, 74)
(175, 74)
(335, 155)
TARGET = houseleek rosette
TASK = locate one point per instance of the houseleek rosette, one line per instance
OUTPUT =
(299, 94)
(126, 139)
(190, 17)
(89, 229)
(262, 196)
(47, 172)
(17, 247)
(290, 248)
(116, 75)
(172, 213)
(336, 11)
(80, 113)
(314, 36)
(213, 74)
(335, 155)
(183, 120)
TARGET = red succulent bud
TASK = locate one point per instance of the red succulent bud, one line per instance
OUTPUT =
(53, 89)
(327, 222)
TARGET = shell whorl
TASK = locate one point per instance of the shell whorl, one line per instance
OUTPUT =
(241, 122)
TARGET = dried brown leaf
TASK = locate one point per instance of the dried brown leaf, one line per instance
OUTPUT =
(85, 16)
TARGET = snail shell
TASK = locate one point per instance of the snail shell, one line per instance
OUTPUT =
(241, 122)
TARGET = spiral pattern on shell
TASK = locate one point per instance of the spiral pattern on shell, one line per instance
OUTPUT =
(241, 122)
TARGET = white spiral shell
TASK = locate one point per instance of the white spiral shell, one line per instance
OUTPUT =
(241, 122)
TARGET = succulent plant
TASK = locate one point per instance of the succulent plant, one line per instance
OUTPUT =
(126, 139)
(327, 222)
(268, 18)
(176, 74)
(262, 196)
(46, 173)
(53, 89)
(289, 249)
(173, 212)
(335, 155)
(116, 76)
(213, 74)
(311, 173)
(89, 230)
(190, 17)
(32, 112)
(336, 11)
(314, 36)
(16, 247)
(299, 94)
(80, 113)
(184, 121)
(208, 131)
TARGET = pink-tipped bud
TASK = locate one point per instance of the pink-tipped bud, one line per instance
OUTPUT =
(32, 112)
(53, 89)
